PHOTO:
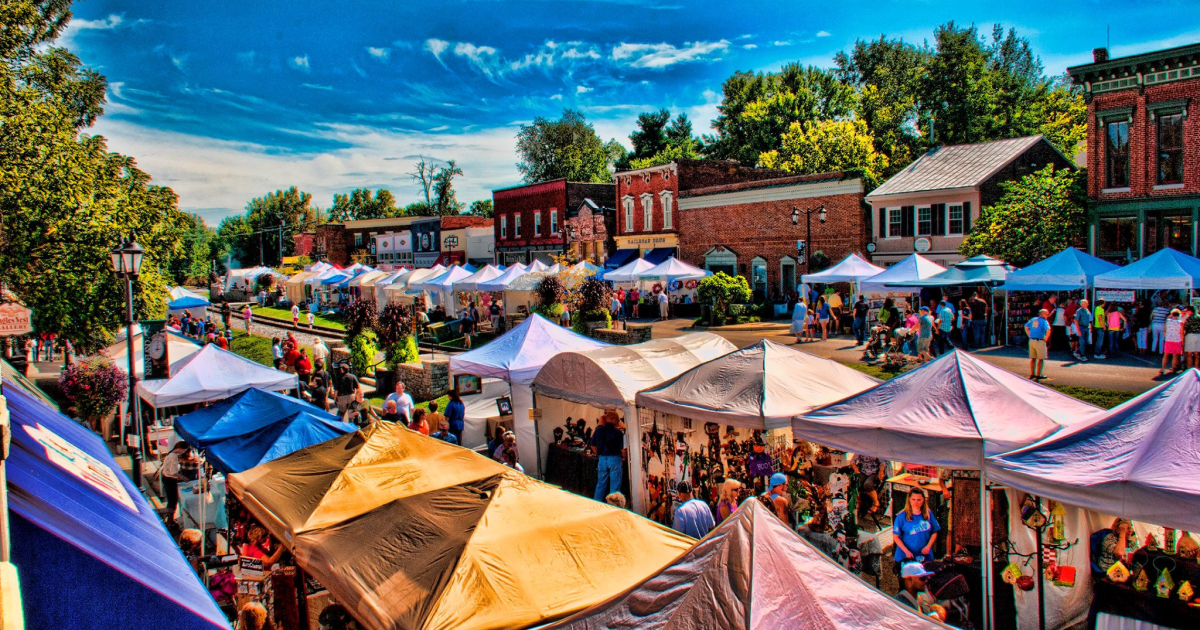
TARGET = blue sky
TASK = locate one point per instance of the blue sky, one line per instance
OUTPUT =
(225, 101)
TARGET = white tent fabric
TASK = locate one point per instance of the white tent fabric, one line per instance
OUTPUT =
(367, 279)
(178, 349)
(553, 269)
(472, 282)
(293, 287)
(760, 387)
(915, 267)
(501, 282)
(673, 269)
(318, 277)
(852, 269)
(537, 266)
(1139, 460)
(212, 374)
(236, 278)
(179, 292)
(950, 412)
(401, 284)
(382, 283)
(1164, 269)
(630, 271)
(319, 266)
(479, 408)
(519, 354)
(442, 281)
(612, 376)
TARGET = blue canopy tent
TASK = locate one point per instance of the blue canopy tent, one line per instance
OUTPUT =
(620, 258)
(975, 271)
(186, 303)
(90, 549)
(245, 413)
(1068, 270)
(286, 436)
(1164, 269)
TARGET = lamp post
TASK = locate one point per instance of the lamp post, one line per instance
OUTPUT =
(127, 263)
(822, 214)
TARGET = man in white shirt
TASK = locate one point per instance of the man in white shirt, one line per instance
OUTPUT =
(295, 316)
(404, 402)
(662, 306)
(320, 351)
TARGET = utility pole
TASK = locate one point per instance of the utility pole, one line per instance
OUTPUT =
(260, 248)
(281, 241)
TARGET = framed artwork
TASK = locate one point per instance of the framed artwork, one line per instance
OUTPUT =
(467, 384)
(504, 404)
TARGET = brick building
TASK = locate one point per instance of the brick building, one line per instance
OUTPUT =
(589, 230)
(1143, 151)
(931, 204)
(412, 240)
(647, 222)
(529, 220)
(746, 227)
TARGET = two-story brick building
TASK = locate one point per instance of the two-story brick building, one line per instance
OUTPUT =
(529, 220)
(1143, 151)
(405, 241)
(930, 205)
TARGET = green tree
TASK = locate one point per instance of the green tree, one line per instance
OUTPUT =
(1039, 215)
(65, 200)
(235, 244)
(359, 204)
(445, 202)
(758, 108)
(660, 140)
(1062, 115)
(686, 150)
(723, 291)
(565, 148)
(828, 145)
(195, 259)
(418, 209)
(275, 217)
(482, 208)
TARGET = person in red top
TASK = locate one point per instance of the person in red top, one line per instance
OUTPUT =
(303, 366)
(290, 356)
(222, 342)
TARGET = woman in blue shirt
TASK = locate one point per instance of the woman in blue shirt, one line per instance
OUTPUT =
(456, 414)
(914, 530)
(823, 313)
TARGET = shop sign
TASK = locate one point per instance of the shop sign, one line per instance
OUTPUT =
(15, 320)
(647, 241)
(80, 464)
(1115, 295)
(428, 259)
(403, 241)
(922, 245)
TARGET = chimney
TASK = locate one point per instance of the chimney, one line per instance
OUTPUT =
(1099, 55)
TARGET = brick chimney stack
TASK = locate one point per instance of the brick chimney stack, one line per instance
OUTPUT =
(1099, 55)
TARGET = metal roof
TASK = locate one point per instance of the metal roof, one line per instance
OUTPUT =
(958, 166)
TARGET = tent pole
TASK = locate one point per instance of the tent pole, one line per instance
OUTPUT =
(537, 432)
(985, 548)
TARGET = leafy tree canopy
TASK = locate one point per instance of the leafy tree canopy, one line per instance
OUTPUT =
(828, 145)
(1039, 215)
(359, 204)
(565, 148)
(482, 208)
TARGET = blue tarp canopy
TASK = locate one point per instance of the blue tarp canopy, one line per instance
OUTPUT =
(247, 412)
(1067, 270)
(297, 431)
(90, 550)
(620, 258)
(1164, 269)
(186, 303)
(336, 278)
(659, 254)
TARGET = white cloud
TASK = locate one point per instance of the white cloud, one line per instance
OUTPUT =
(664, 55)
(823, 33)
(180, 62)
(482, 57)
(436, 47)
(440, 128)
(750, 46)
(314, 86)
(76, 26)
(300, 63)
(746, 36)
(223, 175)
(582, 89)
(556, 97)
(781, 43)
(382, 54)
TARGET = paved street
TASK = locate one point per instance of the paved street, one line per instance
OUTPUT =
(1127, 373)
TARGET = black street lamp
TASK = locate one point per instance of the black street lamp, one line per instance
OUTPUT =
(822, 214)
(127, 264)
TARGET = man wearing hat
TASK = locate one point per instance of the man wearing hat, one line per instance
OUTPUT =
(777, 495)
(1038, 331)
(608, 443)
(924, 334)
(692, 516)
(913, 580)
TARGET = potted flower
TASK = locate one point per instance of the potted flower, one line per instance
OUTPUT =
(94, 387)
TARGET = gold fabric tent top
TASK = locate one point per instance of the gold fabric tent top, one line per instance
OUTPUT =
(409, 532)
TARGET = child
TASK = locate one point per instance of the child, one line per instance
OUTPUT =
(312, 318)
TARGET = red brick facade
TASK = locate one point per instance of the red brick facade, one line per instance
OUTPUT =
(553, 201)
(753, 222)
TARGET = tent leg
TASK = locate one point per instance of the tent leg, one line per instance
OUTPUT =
(537, 435)
(985, 549)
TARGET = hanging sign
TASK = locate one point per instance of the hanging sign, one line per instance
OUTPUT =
(922, 245)
(1115, 295)
(15, 320)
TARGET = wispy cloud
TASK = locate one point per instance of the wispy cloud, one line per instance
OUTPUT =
(76, 26)
(823, 33)
(582, 89)
(780, 42)
(749, 46)
(299, 63)
(180, 62)
(482, 57)
(436, 47)
(383, 54)
(665, 55)
(314, 86)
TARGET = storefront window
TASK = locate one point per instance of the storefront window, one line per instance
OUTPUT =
(1170, 149)
(1169, 231)
(1117, 153)
(759, 282)
(1118, 237)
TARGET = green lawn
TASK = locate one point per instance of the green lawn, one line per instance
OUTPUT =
(378, 402)
(256, 348)
(331, 321)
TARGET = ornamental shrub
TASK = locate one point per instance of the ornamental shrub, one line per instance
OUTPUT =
(722, 291)
(580, 319)
(94, 387)
(359, 316)
(362, 354)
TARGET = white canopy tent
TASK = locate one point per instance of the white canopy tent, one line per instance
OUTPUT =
(610, 378)
(760, 386)
(915, 267)
(471, 283)
(519, 291)
(952, 412)
(293, 287)
(381, 284)
(501, 282)
(442, 286)
(630, 271)
(397, 290)
(852, 269)
(237, 278)
(537, 266)
(178, 348)
(480, 407)
(673, 269)
(516, 357)
(1139, 460)
(212, 374)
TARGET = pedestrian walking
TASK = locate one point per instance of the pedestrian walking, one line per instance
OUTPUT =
(1083, 329)
(608, 443)
(1158, 321)
(247, 316)
(799, 320)
(1038, 331)
(1173, 341)
(693, 517)
(861, 309)
(979, 317)
(1099, 330)
(663, 306)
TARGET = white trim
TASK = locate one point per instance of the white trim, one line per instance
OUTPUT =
(918, 194)
(553, 221)
(517, 225)
(781, 193)
(961, 221)
(666, 197)
(899, 213)
(917, 221)
(1114, 190)
(1168, 187)
(627, 208)
(503, 226)
(651, 169)
(647, 212)
(537, 223)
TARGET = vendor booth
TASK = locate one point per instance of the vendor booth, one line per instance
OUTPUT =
(852, 269)
(751, 573)
(1165, 269)
(212, 374)
(501, 282)
(470, 284)
(674, 277)
(519, 298)
(537, 266)
(482, 415)
(177, 292)
(398, 290)
(950, 413)
(978, 271)
(411, 532)
(294, 287)
(362, 286)
(197, 306)
(516, 357)
(246, 279)
(579, 385)
(441, 288)
(1137, 461)
(914, 268)
(380, 286)
(628, 273)
(91, 551)
(700, 417)
(1070, 271)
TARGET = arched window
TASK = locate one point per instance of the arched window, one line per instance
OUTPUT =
(758, 278)
(787, 275)
(721, 259)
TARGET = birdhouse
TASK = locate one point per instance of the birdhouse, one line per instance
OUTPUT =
(1142, 581)
(1165, 584)
(1185, 591)
(1117, 573)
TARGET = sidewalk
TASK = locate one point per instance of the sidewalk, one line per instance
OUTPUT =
(1125, 373)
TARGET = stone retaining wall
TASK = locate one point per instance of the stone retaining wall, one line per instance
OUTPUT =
(633, 333)
(426, 380)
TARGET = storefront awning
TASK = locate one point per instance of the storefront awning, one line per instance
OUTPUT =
(659, 254)
(620, 258)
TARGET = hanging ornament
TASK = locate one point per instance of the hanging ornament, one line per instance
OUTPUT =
(1011, 573)
(1058, 523)
(1186, 591)
(1141, 582)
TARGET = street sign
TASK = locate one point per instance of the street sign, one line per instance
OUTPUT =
(15, 320)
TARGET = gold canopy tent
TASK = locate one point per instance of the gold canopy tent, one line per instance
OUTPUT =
(409, 532)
